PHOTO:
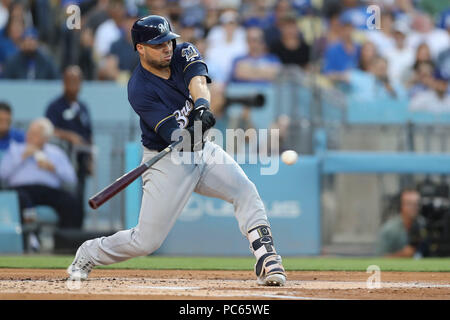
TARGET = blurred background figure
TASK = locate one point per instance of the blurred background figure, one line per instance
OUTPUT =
(342, 55)
(111, 30)
(291, 48)
(31, 61)
(10, 38)
(8, 134)
(38, 172)
(404, 235)
(72, 122)
(123, 49)
(225, 42)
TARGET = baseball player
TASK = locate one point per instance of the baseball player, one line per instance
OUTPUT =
(168, 90)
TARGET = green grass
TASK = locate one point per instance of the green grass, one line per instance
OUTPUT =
(238, 263)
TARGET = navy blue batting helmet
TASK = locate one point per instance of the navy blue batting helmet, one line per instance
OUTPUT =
(152, 30)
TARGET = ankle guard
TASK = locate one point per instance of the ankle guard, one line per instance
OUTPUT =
(261, 244)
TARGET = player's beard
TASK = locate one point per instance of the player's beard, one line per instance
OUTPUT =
(157, 64)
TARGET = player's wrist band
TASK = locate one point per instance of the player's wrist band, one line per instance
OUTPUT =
(201, 102)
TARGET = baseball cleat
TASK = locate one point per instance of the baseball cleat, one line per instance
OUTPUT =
(271, 273)
(81, 266)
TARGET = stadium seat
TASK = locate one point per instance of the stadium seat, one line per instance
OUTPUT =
(46, 215)
(11, 241)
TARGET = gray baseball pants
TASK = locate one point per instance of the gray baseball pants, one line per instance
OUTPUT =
(167, 187)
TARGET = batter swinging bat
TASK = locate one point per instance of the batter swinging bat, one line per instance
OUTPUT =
(123, 182)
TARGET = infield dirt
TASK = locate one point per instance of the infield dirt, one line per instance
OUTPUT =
(219, 285)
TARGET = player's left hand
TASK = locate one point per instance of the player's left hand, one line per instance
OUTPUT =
(206, 117)
(203, 113)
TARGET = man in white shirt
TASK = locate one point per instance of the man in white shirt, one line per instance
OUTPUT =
(400, 58)
(38, 171)
(110, 30)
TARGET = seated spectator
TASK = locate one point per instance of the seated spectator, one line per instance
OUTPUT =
(272, 32)
(421, 78)
(403, 235)
(436, 98)
(110, 30)
(291, 48)
(31, 62)
(374, 82)
(225, 42)
(400, 58)
(7, 133)
(423, 31)
(384, 37)
(72, 122)
(123, 49)
(4, 13)
(10, 39)
(38, 171)
(368, 53)
(257, 66)
(342, 55)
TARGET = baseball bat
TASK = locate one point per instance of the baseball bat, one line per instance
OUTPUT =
(121, 183)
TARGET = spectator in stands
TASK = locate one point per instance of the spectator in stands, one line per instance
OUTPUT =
(423, 31)
(436, 98)
(403, 235)
(72, 122)
(368, 53)
(110, 30)
(31, 62)
(4, 13)
(7, 133)
(400, 58)
(224, 43)
(257, 66)
(291, 48)
(281, 9)
(373, 83)
(10, 39)
(383, 39)
(123, 49)
(421, 78)
(38, 171)
(342, 55)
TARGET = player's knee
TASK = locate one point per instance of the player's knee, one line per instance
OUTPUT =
(149, 246)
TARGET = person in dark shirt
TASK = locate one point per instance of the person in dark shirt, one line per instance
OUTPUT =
(72, 123)
(290, 48)
(31, 62)
(7, 133)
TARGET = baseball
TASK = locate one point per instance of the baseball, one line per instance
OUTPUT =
(289, 157)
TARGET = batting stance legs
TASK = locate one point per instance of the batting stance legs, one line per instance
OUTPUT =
(165, 196)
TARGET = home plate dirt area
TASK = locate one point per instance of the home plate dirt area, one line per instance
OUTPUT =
(219, 285)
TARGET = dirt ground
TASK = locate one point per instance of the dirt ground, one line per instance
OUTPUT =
(219, 285)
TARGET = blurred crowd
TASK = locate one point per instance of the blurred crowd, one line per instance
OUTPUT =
(403, 52)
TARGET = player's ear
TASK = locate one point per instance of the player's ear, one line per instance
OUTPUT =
(140, 48)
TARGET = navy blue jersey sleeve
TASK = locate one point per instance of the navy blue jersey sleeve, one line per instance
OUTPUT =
(192, 63)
